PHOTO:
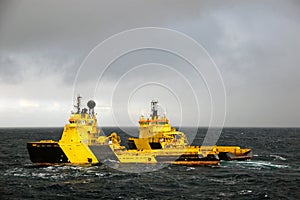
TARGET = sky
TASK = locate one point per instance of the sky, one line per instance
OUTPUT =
(244, 73)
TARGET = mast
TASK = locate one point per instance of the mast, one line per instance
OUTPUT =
(154, 109)
(78, 104)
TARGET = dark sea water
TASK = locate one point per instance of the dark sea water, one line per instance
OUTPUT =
(274, 173)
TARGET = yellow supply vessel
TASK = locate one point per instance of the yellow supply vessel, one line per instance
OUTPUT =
(158, 142)
(81, 130)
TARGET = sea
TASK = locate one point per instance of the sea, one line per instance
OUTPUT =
(274, 172)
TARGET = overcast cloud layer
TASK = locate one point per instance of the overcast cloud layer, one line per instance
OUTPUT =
(255, 44)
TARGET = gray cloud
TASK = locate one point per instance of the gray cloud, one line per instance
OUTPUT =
(255, 44)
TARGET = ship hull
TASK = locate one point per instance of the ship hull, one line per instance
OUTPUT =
(46, 152)
(52, 153)
(105, 153)
(227, 156)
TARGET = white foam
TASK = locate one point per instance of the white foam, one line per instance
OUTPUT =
(190, 168)
(244, 192)
(277, 157)
(252, 164)
(262, 164)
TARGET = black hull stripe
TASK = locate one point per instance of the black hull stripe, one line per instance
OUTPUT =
(46, 153)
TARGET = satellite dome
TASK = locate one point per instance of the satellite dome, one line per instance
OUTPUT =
(91, 104)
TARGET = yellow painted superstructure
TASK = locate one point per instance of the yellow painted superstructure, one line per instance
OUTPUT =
(81, 131)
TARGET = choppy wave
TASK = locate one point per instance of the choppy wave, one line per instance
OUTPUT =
(52, 172)
(273, 173)
(253, 164)
(277, 157)
(56, 172)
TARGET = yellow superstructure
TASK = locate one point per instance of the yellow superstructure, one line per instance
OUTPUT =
(81, 131)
